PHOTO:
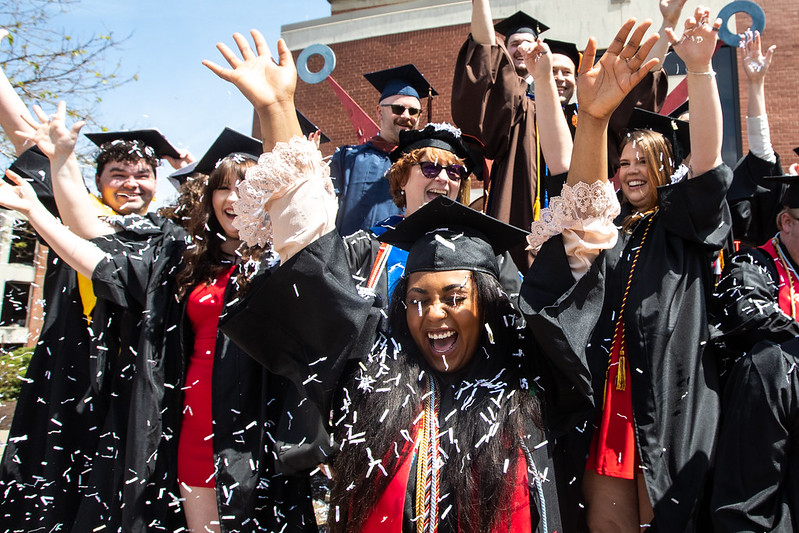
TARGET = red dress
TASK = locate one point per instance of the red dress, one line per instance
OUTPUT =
(195, 447)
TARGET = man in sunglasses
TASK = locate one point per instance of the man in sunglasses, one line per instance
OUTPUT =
(358, 172)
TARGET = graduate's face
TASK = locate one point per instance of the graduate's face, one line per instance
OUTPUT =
(636, 184)
(127, 187)
(563, 71)
(789, 232)
(222, 200)
(513, 49)
(391, 123)
(444, 317)
(419, 189)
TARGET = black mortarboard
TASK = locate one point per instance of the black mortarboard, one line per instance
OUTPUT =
(228, 143)
(33, 166)
(796, 150)
(152, 138)
(309, 127)
(520, 22)
(790, 198)
(443, 136)
(405, 80)
(676, 131)
(567, 49)
(445, 235)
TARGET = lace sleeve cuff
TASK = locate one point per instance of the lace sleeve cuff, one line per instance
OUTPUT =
(584, 214)
(290, 184)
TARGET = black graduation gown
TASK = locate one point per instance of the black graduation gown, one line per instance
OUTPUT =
(311, 309)
(57, 423)
(745, 306)
(246, 403)
(673, 378)
(756, 485)
(129, 487)
(754, 203)
(54, 432)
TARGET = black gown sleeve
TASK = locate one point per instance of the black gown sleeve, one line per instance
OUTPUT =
(756, 462)
(745, 303)
(304, 322)
(696, 209)
(561, 315)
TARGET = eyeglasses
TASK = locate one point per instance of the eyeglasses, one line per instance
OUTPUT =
(398, 109)
(432, 170)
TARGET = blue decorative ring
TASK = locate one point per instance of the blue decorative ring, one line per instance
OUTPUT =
(740, 6)
(302, 63)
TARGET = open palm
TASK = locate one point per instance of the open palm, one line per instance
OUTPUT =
(602, 87)
(256, 74)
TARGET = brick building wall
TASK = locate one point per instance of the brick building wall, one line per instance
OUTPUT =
(433, 51)
(782, 81)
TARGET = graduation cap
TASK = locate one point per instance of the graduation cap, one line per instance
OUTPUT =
(309, 127)
(34, 167)
(790, 198)
(405, 80)
(567, 49)
(441, 135)
(446, 235)
(676, 131)
(152, 138)
(520, 22)
(796, 150)
(229, 142)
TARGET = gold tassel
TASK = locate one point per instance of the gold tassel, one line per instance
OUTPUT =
(621, 372)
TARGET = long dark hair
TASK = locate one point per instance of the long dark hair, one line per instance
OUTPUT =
(204, 259)
(386, 397)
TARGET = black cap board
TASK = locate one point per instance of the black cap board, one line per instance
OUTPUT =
(446, 235)
(152, 138)
(33, 166)
(405, 80)
(676, 131)
(790, 198)
(680, 110)
(796, 150)
(309, 127)
(229, 142)
(567, 49)
(520, 22)
(435, 135)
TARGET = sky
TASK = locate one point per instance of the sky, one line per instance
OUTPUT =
(168, 40)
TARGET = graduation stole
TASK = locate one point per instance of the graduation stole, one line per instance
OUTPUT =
(428, 463)
(788, 279)
(619, 344)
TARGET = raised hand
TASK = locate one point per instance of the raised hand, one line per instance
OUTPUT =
(269, 86)
(698, 41)
(20, 196)
(538, 58)
(670, 11)
(51, 134)
(186, 158)
(259, 78)
(602, 87)
(755, 64)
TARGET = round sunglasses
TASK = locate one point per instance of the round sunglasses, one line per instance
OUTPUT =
(398, 109)
(432, 170)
